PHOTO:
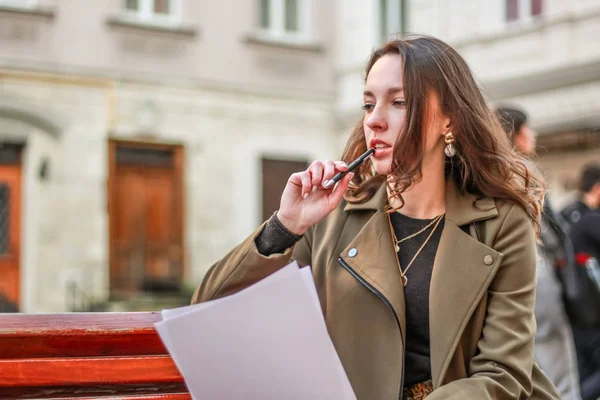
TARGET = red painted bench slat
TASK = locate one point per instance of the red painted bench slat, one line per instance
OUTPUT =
(86, 356)
(181, 396)
(88, 371)
(79, 335)
(137, 392)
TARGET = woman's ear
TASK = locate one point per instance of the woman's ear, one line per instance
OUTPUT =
(447, 126)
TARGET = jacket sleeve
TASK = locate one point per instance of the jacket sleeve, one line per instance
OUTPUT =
(503, 367)
(244, 265)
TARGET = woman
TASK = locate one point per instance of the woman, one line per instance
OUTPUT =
(426, 269)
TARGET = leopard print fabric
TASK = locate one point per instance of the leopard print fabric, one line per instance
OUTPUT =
(418, 391)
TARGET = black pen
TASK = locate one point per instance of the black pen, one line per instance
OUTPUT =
(351, 167)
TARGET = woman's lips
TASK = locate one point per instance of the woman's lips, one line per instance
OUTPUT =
(382, 152)
(382, 148)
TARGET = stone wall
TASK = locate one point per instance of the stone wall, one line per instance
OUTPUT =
(224, 135)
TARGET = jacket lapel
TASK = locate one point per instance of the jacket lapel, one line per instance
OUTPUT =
(462, 271)
(371, 255)
(460, 278)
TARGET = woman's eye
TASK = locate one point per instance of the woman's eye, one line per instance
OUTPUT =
(368, 107)
(399, 103)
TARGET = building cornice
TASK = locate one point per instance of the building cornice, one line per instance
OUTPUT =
(284, 93)
(35, 11)
(569, 75)
(539, 24)
(119, 21)
(257, 38)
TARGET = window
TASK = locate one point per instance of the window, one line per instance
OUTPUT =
(391, 18)
(285, 17)
(522, 10)
(275, 174)
(154, 11)
(19, 3)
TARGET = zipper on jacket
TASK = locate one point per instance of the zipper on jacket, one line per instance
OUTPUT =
(388, 305)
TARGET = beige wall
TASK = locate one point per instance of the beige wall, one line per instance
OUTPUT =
(78, 37)
(224, 135)
(227, 101)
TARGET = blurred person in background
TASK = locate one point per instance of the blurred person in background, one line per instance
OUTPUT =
(554, 341)
(584, 214)
(583, 217)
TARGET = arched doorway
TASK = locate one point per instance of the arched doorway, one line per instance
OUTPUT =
(24, 118)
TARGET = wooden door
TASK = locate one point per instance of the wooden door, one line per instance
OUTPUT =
(146, 224)
(275, 174)
(10, 226)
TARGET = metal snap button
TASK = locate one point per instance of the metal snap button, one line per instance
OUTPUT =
(488, 260)
(352, 252)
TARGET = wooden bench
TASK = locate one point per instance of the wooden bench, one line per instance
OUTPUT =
(86, 356)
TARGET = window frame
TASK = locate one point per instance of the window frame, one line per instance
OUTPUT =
(277, 18)
(395, 22)
(524, 12)
(145, 13)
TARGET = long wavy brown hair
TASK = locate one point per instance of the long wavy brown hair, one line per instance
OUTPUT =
(485, 164)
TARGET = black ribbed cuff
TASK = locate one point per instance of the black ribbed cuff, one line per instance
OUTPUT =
(275, 238)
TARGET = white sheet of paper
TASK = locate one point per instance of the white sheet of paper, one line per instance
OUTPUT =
(283, 272)
(268, 341)
(174, 312)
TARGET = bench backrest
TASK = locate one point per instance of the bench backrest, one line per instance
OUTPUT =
(86, 356)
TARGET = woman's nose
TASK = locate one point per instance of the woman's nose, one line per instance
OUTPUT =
(376, 121)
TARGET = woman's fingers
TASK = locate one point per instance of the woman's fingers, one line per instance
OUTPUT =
(337, 193)
(300, 207)
(306, 183)
(328, 170)
(316, 172)
(302, 181)
(340, 166)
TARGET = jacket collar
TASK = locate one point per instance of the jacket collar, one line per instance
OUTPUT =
(461, 208)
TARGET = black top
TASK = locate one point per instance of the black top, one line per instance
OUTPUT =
(275, 238)
(416, 292)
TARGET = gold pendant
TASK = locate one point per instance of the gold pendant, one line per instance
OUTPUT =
(404, 280)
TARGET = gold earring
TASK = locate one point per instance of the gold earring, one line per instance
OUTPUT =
(449, 150)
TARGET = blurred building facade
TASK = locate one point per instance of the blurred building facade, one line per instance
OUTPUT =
(135, 134)
(142, 139)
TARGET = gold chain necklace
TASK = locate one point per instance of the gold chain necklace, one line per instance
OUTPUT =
(396, 241)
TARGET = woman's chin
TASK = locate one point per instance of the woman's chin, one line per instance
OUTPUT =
(382, 168)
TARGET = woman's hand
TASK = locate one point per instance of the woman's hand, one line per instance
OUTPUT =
(305, 201)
